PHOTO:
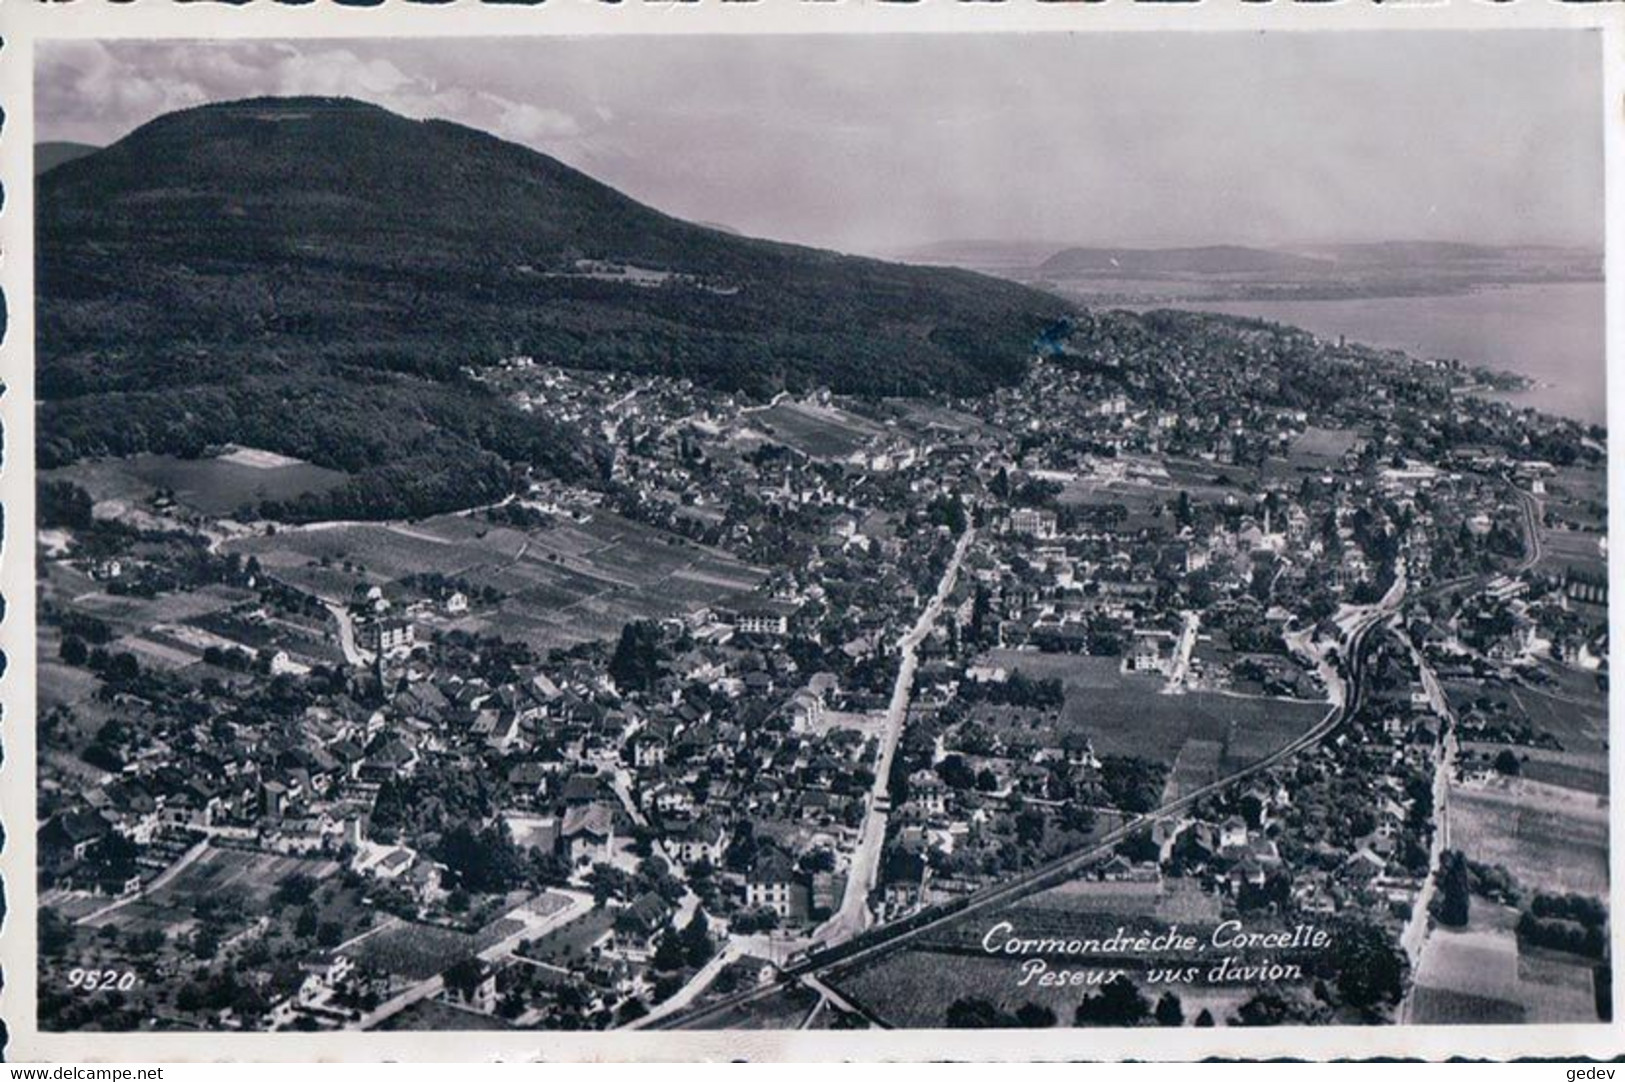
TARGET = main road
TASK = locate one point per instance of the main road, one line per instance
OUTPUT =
(1356, 625)
(854, 915)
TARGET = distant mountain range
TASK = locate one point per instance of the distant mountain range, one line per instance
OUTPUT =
(1096, 275)
(317, 276)
(1218, 259)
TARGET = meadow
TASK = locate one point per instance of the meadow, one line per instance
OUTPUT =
(215, 486)
(1127, 713)
(1318, 448)
(817, 431)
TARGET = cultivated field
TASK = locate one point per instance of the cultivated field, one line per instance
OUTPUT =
(1586, 772)
(1574, 712)
(1581, 725)
(1573, 550)
(130, 615)
(412, 951)
(1547, 836)
(925, 418)
(914, 988)
(1578, 495)
(1481, 975)
(573, 582)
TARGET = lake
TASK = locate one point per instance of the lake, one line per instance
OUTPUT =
(1552, 333)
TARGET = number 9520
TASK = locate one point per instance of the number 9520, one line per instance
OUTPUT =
(101, 980)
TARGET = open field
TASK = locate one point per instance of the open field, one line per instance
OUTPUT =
(1558, 987)
(1482, 975)
(1140, 499)
(1581, 725)
(1575, 713)
(1199, 763)
(1206, 480)
(566, 584)
(127, 614)
(1573, 550)
(212, 486)
(1127, 714)
(817, 431)
(1317, 448)
(1548, 836)
(1586, 772)
(1432, 1006)
(60, 684)
(924, 418)
(1578, 495)
(914, 988)
(169, 632)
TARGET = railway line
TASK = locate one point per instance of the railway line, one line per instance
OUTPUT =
(896, 934)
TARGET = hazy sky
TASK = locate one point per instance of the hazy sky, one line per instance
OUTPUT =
(879, 143)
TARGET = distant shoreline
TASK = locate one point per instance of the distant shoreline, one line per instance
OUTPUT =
(1282, 293)
(1547, 334)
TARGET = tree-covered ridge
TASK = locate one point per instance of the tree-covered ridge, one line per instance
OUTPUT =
(324, 279)
(331, 226)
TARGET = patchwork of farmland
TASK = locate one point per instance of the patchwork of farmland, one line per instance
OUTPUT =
(128, 614)
(566, 584)
(1579, 551)
(1581, 725)
(414, 951)
(1574, 713)
(169, 632)
(915, 987)
(1482, 975)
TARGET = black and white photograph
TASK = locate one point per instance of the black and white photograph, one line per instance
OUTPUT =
(690, 533)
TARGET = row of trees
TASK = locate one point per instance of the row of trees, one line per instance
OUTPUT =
(1118, 1003)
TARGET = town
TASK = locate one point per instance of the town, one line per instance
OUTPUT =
(1204, 620)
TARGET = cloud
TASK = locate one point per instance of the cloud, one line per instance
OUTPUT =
(879, 142)
(95, 91)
